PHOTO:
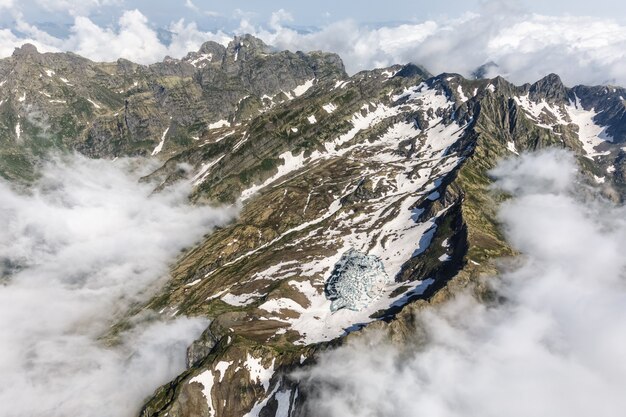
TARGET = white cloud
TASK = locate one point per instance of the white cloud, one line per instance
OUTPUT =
(42, 38)
(9, 41)
(279, 17)
(573, 46)
(553, 347)
(133, 39)
(6, 4)
(583, 50)
(525, 46)
(189, 4)
(187, 37)
(85, 244)
(360, 47)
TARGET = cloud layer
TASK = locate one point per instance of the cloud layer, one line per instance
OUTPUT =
(87, 242)
(525, 46)
(132, 38)
(554, 347)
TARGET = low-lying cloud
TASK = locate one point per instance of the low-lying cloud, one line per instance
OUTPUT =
(554, 347)
(525, 46)
(77, 249)
(133, 38)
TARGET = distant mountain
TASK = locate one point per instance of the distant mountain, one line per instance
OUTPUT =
(390, 163)
(482, 71)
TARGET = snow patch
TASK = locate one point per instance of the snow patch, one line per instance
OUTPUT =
(204, 171)
(256, 410)
(93, 103)
(221, 138)
(278, 304)
(283, 400)
(542, 109)
(303, 88)
(192, 283)
(388, 74)
(445, 257)
(239, 300)
(589, 133)
(258, 372)
(218, 124)
(238, 145)
(222, 367)
(202, 60)
(18, 130)
(206, 379)
(159, 147)
(329, 108)
(462, 95)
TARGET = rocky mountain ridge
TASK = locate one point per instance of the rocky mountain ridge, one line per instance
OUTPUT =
(391, 166)
(392, 163)
(63, 101)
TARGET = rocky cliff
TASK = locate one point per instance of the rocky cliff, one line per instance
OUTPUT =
(63, 101)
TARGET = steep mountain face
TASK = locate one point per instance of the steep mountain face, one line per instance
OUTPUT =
(379, 180)
(389, 165)
(63, 101)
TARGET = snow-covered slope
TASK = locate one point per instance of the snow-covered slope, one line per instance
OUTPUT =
(378, 166)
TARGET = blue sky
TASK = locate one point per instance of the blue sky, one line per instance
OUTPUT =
(211, 14)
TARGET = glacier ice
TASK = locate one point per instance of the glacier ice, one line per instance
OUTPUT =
(357, 279)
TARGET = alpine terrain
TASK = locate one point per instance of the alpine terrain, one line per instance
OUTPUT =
(362, 199)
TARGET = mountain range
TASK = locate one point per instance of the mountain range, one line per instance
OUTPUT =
(383, 174)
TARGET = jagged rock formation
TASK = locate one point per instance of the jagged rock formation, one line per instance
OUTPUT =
(391, 162)
(62, 101)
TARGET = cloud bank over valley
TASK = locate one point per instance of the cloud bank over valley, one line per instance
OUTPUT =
(79, 248)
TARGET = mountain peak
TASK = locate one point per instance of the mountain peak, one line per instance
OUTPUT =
(25, 50)
(483, 71)
(549, 87)
(248, 44)
(211, 47)
(412, 70)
